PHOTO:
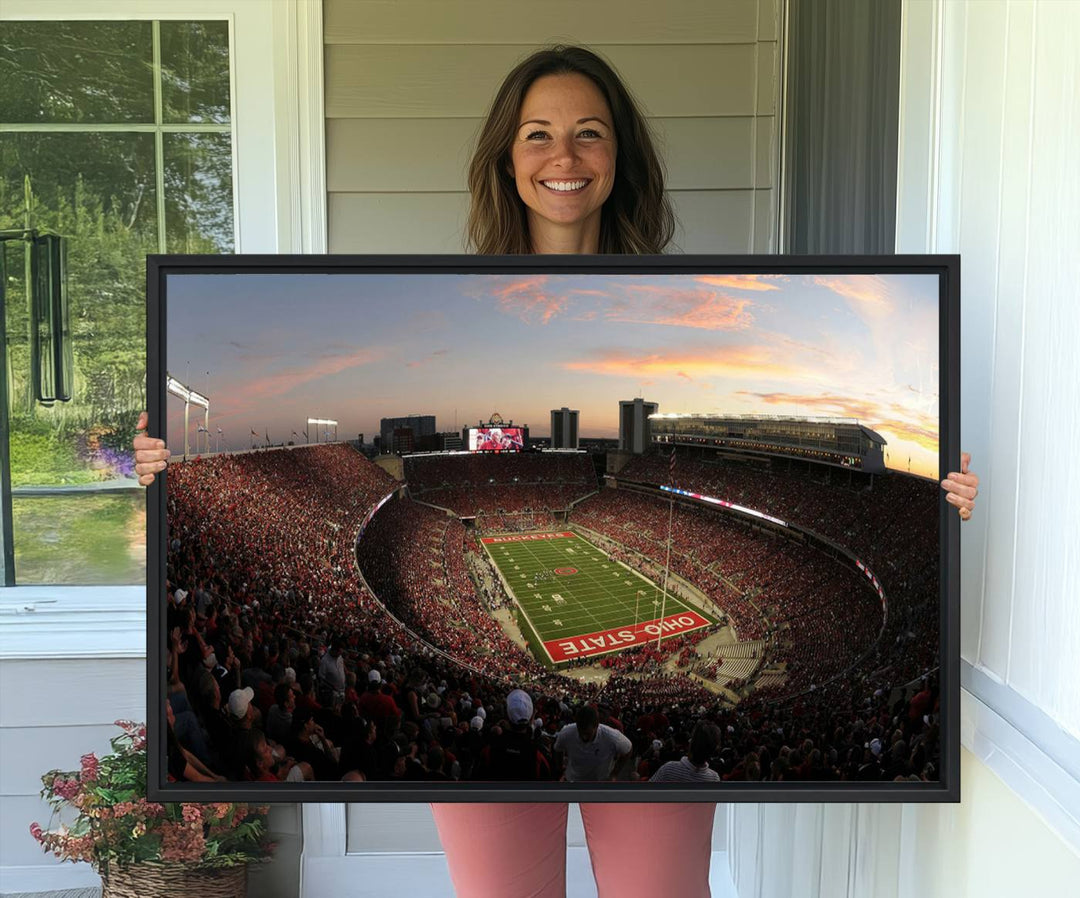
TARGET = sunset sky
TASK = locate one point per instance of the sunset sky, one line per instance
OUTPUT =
(272, 350)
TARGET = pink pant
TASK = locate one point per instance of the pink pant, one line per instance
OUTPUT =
(519, 850)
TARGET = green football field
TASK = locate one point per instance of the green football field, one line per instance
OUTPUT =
(578, 602)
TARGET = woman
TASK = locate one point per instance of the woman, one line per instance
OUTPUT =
(565, 164)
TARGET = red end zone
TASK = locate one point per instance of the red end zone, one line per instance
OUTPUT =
(524, 537)
(623, 637)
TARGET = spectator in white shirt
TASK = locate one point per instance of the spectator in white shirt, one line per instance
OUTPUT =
(594, 751)
(693, 767)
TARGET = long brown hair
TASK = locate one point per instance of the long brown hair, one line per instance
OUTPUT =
(637, 216)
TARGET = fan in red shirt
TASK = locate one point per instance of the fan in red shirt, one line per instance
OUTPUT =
(379, 707)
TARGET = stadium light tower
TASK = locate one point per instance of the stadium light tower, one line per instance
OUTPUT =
(318, 422)
(190, 397)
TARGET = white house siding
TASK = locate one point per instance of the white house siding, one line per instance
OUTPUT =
(408, 82)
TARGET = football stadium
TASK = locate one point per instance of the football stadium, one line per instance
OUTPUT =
(333, 615)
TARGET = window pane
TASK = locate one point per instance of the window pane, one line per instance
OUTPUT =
(76, 72)
(195, 71)
(98, 191)
(198, 193)
(81, 540)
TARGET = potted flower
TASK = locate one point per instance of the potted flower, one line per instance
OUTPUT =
(144, 848)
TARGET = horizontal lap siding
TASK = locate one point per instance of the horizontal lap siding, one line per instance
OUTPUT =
(83, 696)
(523, 22)
(460, 81)
(408, 83)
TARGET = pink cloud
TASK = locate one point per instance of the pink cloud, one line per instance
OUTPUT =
(532, 300)
(700, 309)
(289, 378)
(529, 299)
(742, 281)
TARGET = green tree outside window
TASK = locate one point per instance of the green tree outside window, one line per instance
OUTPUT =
(117, 136)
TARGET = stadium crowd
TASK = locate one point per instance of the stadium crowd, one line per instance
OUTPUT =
(283, 664)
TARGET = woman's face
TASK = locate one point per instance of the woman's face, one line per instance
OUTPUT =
(563, 154)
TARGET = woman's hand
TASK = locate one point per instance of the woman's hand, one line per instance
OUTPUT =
(151, 456)
(962, 487)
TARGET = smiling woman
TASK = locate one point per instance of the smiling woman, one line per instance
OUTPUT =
(565, 144)
(563, 162)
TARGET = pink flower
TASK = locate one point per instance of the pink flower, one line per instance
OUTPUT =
(36, 832)
(65, 788)
(181, 842)
(221, 809)
(89, 768)
(192, 813)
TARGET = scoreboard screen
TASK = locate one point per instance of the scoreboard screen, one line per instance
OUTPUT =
(496, 439)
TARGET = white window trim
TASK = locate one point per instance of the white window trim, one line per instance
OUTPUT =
(1031, 754)
(280, 207)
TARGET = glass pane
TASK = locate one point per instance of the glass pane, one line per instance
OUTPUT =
(76, 72)
(97, 190)
(81, 540)
(198, 193)
(195, 72)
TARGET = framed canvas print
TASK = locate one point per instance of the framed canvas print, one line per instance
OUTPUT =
(553, 528)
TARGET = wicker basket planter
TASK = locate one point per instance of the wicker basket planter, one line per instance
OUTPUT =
(174, 881)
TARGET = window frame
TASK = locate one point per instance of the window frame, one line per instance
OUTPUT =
(277, 119)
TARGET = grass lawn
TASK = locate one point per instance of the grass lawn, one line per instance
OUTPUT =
(81, 539)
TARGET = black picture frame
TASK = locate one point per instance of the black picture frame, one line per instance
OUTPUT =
(945, 789)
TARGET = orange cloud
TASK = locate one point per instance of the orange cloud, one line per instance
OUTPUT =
(869, 291)
(728, 361)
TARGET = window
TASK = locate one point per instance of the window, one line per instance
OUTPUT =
(118, 136)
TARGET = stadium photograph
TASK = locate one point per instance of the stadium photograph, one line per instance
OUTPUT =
(427, 528)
